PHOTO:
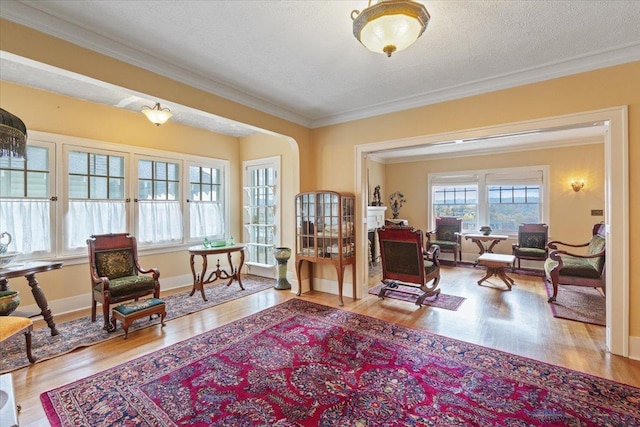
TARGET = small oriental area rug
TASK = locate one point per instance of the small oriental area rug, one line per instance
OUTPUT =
(304, 364)
(83, 332)
(579, 303)
(410, 294)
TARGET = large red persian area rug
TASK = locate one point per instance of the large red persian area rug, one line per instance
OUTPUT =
(304, 364)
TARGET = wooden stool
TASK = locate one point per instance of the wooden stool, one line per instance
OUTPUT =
(12, 325)
(127, 313)
(496, 264)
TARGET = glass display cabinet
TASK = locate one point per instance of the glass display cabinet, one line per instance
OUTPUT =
(325, 234)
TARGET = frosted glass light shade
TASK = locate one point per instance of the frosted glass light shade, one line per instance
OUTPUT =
(157, 115)
(390, 25)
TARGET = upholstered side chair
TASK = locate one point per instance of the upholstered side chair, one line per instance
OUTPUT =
(116, 274)
(447, 235)
(571, 268)
(532, 243)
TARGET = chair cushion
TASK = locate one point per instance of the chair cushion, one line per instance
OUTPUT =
(447, 233)
(596, 245)
(128, 285)
(445, 245)
(115, 264)
(11, 325)
(531, 253)
(574, 267)
(532, 240)
(429, 267)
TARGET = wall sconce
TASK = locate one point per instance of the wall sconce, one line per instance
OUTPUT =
(156, 115)
(577, 185)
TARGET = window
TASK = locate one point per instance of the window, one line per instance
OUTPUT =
(206, 203)
(25, 199)
(457, 201)
(260, 206)
(501, 198)
(512, 205)
(95, 181)
(96, 195)
(159, 216)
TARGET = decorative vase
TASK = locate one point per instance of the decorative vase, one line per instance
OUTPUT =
(9, 301)
(486, 230)
(282, 255)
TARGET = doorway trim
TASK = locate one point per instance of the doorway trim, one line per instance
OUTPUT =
(616, 171)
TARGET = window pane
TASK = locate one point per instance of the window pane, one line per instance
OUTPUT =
(173, 172)
(116, 166)
(78, 187)
(98, 164)
(144, 169)
(160, 190)
(145, 191)
(116, 188)
(37, 184)
(160, 170)
(98, 187)
(173, 191)
(13, 184)
(78, 162)
(38, 158)
(194, 174)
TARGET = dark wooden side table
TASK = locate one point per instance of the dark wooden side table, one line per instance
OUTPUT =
(201, 279)
(29, 271)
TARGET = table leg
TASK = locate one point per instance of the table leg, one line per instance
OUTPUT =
(490, 249)
(298, 268)
(238, 278)
(490, 272)
(506, 279)
(201, 281)
(480, 246)
(41, 300)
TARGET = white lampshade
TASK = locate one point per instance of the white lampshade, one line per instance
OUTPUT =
(390, 25)
(157, 115)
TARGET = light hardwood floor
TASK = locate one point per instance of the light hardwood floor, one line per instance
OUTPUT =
(518, 322)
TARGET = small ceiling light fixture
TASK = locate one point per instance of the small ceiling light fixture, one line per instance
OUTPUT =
(157, 115)
(577, 185)
(390, 26)
(13, 136)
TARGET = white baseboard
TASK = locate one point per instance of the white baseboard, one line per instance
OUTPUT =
(83, 301)
(634, 348)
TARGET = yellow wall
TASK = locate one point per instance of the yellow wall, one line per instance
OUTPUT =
(584, 161)
(327, 155)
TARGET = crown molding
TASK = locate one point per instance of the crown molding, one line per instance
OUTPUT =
(32, 17)
(621, 55)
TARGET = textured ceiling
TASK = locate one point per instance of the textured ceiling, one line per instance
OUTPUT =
(299, 60)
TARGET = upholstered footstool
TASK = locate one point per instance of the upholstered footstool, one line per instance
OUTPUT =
(12, 325)
(127, 313)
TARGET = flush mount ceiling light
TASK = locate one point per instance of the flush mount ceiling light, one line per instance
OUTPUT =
(13, 136)
(157, 115)
(390, 26)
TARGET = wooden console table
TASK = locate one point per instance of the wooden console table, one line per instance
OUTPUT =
(201, 279)
(29, 271)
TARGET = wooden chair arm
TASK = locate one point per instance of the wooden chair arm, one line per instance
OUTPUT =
(102, 281)
(554, 244)
(555, 255)
(155, 271)
(432, 254)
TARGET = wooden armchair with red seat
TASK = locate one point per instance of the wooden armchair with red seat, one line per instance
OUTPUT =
(116, 274)
(406, 262)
